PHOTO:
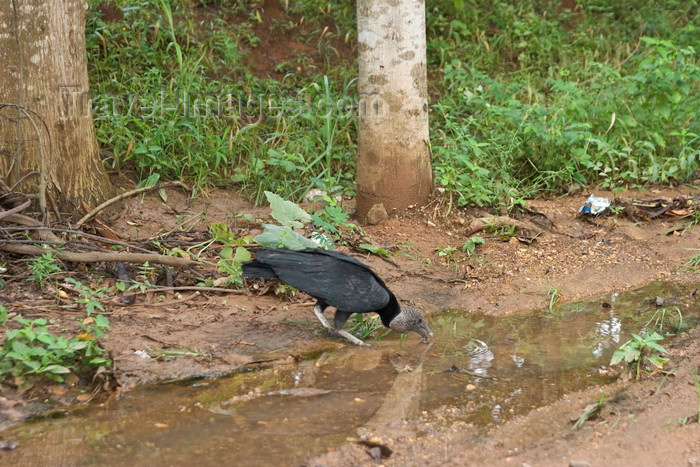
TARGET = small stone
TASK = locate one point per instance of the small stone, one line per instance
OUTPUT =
(574, 463)
(8, 445)
(377, 214)
(375, 453)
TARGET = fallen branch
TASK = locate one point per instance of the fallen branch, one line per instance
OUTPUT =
(96, 257)
(14, 210)
(137, 191)
(21, 219)
(186, 288)
(98, 238)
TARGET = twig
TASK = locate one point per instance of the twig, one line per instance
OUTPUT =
(109, 202)
(96, 257)
(44, 234)
(16, 209)
(185, 288)
(25, 176)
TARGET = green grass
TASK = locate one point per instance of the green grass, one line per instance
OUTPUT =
(526, 97)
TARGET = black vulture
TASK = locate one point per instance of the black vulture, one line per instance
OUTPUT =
(338, 280)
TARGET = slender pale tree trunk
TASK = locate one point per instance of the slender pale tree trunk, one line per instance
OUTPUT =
(393, 154)
(45, 117)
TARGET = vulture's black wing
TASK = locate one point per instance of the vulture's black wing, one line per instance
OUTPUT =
(335, 278)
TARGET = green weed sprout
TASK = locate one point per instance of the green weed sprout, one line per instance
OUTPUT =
(641, 348)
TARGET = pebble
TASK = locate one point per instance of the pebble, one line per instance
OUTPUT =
(574, 463)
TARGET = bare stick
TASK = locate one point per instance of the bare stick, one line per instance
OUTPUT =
(97, 256)
(21, 219)
(73, 232)
(19, 208)
(185, 288)
(109, 202)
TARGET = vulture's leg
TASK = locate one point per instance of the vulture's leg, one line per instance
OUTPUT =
(339, 321)
(318, 310)
(341, 317)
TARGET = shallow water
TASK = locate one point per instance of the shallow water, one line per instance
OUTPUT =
(485, 369)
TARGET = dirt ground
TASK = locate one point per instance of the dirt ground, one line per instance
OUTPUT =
(580, 257)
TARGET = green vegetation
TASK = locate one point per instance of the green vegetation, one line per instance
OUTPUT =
(594, 411)
(662, 317)
(31, 350)
(43, 267)
(447, 252)
(640, 348)
(470, 245)
(553, 296)
(172, 97)
(365, 326)
(527, 97)
(91, 298)
(693, 262)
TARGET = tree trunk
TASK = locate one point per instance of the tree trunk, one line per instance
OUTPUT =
(45, 109)
(393, 152)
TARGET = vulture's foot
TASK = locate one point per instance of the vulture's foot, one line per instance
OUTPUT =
(341, 332)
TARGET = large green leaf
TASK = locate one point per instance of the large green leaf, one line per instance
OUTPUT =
(285, 212)
(276, 236)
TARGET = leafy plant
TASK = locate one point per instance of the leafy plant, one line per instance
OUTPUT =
(31, 350)
(285, 212)
(43, 267)
(232, 254)
(231, 261)
(365, 326)
(332, 218)
(289, 215)
(640, 348)
(446, 252)
(91, 298)
(553, 296)
(470, 245)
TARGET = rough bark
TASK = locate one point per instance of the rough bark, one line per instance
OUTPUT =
(393, 154)
(43, 69)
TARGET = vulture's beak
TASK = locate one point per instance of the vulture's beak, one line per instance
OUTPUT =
(425, 331)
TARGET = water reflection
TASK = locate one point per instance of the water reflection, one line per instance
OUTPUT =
(608, 330)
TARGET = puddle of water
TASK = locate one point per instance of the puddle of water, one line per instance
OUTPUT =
(485, 369)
